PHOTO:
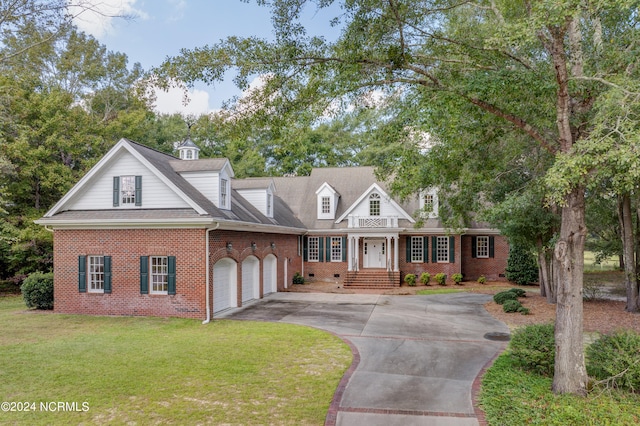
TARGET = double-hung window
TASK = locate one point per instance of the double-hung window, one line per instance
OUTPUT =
(223, 193)
(326, 205)
(94, 274)
(374, 204)
(336, 249)
(417, 249)
(127, 191)
(482, 247)
(158, 275)
(442, 249)
(313, 249)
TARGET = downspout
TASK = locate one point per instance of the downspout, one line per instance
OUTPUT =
(206, 321)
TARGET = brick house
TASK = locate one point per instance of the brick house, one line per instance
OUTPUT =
(146, 233)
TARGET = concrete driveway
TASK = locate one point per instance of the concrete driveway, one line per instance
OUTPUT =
(416, 358)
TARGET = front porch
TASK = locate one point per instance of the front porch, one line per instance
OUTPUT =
(373, 260)
(376, 279)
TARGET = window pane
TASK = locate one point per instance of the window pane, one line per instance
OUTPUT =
(443, 249)
(416, 249)
(159, 274)
(374, 205)
(326, 205)
(336, 249)
(128, 189)
(313, 252)
(482, 246)
(96, 273)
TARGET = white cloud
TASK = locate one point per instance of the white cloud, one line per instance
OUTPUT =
(178, 9)
(95, 17)
(176, 100)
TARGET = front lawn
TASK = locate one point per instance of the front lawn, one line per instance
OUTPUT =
(135, 370)
(510, 396)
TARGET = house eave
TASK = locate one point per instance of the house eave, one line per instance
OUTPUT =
(125, 224)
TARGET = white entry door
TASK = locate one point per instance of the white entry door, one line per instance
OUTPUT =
(375, 254)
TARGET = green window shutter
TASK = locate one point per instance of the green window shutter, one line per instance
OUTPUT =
(452, 249)
(107, 274)
(171, 279)
(474, 246)
(328, 250)
(138, 190)
(320, 249)
(116, 191)
(344, 249)
(492, 249)
(434, 249)
(144, 274)
(425, 249)
(408, 250)
(82, 274)
(305, 251)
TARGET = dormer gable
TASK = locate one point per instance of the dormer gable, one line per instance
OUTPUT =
(375, 202)
(428, 202)
(327, 201)
(211, 176)
(258, 192)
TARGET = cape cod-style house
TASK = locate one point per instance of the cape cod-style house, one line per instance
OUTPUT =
(147, 233)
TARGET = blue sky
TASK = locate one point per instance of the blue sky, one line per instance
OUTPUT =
(160, 28)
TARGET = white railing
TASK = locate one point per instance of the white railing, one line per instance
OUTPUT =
(373, 221)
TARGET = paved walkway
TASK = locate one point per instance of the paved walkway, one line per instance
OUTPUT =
(416, 358)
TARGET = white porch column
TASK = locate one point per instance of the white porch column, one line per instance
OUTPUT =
(349, 253)
(396, 263)
(388, 252)
(356, 254)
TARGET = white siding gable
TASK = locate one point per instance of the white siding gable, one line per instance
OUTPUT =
(260, 198)
(208, 183)
(388, 206)
(97, 193)
(326, 192)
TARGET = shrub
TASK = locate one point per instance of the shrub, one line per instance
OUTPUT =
(615, 359)
(441, 278)
(533, 348)
(425, 277)
(410, 279)
(511, 306)
(521, 266)
(482, 279)
(297, 278)
(457, 278)
(518, 292)
(37, 290)
(503, 296)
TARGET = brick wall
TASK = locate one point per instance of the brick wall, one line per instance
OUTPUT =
(286, 249)
(491, 268)
(327, 271)
(408, 267)
(125, 248)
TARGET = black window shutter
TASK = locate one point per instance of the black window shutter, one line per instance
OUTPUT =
(138, 190)
(474, 246)
(492, 248)
(107, 274)
(144, 274)
(408, 250)
(171, 279)
(320, 249)
(434, 249)
(344, 249)
(116, 191)
(305, 252)
(82, 274)
(425, 249)
(452, 249)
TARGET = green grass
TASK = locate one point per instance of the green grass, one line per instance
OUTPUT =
(134, 370)
(510, 396)
(608, 264)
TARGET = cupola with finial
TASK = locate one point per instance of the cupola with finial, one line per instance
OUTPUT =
(187, 149)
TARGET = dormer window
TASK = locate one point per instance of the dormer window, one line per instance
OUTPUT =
(428, 204)
(374, 204)
(326, 205)
(326, 202)
(269, 205)
(224, 193)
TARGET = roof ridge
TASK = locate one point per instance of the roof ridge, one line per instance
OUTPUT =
(151, 149)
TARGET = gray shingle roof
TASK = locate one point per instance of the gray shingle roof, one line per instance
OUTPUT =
(201, 165)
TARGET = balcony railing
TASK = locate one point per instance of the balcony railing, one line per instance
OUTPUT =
(373, 221)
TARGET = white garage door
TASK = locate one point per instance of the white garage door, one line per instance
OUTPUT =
(250, 274)
(224, 285)
(270, 274)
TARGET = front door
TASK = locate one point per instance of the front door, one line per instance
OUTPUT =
(375, 255)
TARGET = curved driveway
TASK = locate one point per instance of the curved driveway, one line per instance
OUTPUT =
(417, 356)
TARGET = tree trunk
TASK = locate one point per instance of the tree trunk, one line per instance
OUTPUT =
(545, 268)
(570, 375)
(627, 234)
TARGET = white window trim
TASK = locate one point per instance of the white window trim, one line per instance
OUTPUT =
(336, 256)
(164, 273)
(442, 246)
(224, 193)
(130, 197)
(414, 258)
(485, 248)
(325, 202)
(317, 249)
(375, 199)
(92, 281)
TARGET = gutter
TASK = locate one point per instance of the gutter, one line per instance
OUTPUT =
(208, 319)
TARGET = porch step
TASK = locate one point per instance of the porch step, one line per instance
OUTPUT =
(372, 279)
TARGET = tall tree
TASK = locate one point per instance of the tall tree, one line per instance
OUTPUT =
(537, 66)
